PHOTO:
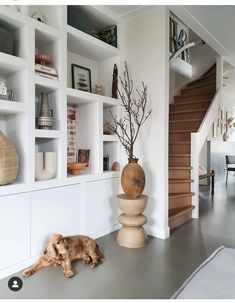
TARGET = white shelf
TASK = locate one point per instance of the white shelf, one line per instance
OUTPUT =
(76, 96)
(45, 33)
(46, 133)
(47, 83)
(13, 17)
(110, 138)
(89, 46)
(10, 64)
(12, 107)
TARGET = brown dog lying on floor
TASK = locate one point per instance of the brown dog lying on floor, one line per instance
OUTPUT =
(64, 250)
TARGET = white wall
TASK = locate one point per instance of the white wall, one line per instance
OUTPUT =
(147, 57)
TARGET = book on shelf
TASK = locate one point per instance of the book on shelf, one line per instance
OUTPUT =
(45, 75)
(46, 69)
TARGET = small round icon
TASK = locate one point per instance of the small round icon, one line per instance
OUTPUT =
(15, 283)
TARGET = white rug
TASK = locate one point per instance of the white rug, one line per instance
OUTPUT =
(213, 279)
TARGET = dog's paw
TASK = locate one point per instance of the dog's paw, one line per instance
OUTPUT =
(87, 260)
(94, 264)
(27, 273)
(68, 274)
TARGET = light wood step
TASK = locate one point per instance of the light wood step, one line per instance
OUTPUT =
(187, 114)
(190, 106)
(179, 186)
(211, 79)
(202, 84)
(194, 98)
(197, 90)
(179, 216)
(180, 200)
(179, 160)
(180, 147)
(185, 123)
(180, 172)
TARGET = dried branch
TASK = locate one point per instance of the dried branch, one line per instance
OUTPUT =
(127, 128)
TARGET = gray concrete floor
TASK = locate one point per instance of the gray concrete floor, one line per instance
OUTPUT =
(153, 272)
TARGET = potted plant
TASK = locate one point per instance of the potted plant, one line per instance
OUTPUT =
(127, 129)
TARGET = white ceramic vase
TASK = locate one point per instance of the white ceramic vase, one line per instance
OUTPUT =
(45, 165)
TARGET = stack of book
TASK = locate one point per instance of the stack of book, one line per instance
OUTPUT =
(46, 71)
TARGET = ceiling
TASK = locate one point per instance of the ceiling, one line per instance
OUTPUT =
(213, 23)
(126, 11)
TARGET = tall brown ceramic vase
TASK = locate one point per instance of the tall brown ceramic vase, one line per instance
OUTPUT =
(9, 161)
(133, 179)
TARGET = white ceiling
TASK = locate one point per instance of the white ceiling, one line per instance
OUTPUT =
(127, 11)
(213, 23)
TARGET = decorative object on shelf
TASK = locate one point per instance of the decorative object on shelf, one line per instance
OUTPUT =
(106, 130)
(132, 233)
(75, 168)
(115, 166)
(9, 161)
(84, 156)
(81, 78)
(6, 41)
(109, 35)
(127, 129)
(98, 89)
(45, 120)
(95, 34)
(45, 165)
(10, 95)
(105, 163)
(71, 133)
(43, 59)
(39, 16)
(3, 91)
(115, 82)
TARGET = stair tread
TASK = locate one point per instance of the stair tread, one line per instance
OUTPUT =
(174, 212)
(204, 84)
(180, 181)
(180, 167)
(193, 102)
(199, 95)
(188, 111)
(181, 142)
(185, 120)
(173, 131)
(181, 195)
(180, 155)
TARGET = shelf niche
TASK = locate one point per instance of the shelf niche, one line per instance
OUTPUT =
(111, 150)
(50, 145)
(87, 19)
(86, 133)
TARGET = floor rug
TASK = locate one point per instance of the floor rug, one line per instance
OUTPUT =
(213, 279)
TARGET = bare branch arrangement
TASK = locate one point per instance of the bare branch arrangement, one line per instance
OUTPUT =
(127, 128)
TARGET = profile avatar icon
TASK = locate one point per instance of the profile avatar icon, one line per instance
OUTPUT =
(15, 283)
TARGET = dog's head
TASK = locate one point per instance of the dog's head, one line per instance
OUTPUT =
(57, 246)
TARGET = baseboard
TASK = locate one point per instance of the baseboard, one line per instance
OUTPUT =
(161, 233)
(8, 271)
(105, 231)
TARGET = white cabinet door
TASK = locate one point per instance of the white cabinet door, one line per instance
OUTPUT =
(54, 210)
(14, 229)
(101, 207)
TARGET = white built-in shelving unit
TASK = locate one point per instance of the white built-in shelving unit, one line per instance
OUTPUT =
(80, 204)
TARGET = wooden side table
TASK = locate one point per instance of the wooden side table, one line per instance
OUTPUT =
(132, 233)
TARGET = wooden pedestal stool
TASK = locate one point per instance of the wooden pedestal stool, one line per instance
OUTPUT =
(132, 233)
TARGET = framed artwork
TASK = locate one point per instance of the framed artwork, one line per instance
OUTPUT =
(81, 78)
(84, 156)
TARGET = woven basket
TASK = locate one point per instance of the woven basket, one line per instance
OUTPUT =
(9, 161)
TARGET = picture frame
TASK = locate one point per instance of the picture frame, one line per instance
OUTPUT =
(84, 156)
(81, 78)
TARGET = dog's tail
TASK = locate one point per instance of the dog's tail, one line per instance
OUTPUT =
(99, 253)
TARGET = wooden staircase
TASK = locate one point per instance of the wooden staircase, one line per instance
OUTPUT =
(186, 115)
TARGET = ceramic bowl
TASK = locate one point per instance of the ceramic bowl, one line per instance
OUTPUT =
(75, 167)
